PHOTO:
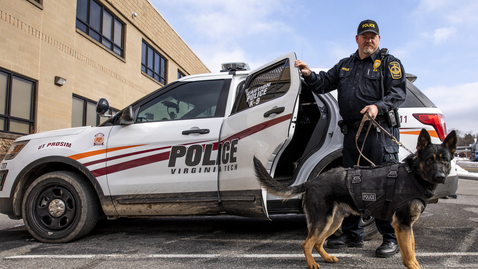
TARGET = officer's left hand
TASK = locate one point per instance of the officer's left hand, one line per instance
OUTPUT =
(372, 110)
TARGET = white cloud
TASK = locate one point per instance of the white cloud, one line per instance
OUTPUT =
(458, 104)
(221, 31)
(442, 34)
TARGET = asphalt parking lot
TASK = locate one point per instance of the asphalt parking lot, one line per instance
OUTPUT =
(446, 237)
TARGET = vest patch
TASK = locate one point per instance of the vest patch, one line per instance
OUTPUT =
(369, 197)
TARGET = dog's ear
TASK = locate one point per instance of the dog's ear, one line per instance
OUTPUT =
(423, 140)
(450, 141)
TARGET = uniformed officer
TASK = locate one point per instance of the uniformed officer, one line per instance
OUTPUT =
(358, 82)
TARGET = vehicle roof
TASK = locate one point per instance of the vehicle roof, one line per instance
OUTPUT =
(220, 75)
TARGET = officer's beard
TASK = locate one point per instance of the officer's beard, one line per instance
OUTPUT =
(367, 51)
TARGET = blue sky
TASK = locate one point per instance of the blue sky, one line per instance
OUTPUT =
(437, 40)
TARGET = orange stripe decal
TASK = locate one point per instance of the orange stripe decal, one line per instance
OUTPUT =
(98, 152)
(432, 133)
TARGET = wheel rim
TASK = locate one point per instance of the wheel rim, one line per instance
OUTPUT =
(54, 208)
(366, 221)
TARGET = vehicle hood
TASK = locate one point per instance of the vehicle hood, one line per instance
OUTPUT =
(55, 133)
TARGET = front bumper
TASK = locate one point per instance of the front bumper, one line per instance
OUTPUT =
(6, 207)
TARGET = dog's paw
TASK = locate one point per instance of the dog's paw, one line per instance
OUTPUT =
(314, 266)
(413, 264)
(331, 259)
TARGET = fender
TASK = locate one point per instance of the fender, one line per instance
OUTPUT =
(55, 163)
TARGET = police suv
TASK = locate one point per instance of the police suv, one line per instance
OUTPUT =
(187, 149)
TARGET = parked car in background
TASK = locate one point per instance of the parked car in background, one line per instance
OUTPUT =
(474, 156)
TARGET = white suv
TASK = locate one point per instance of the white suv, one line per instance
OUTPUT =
(185, 149)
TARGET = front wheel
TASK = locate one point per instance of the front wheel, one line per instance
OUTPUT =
(60, 207)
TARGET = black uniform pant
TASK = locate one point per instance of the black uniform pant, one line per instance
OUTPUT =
(374, 150)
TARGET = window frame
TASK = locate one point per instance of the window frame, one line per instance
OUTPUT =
(180, 74)
(148, 68)
(84, 115)
(97, 34)
(7, 117)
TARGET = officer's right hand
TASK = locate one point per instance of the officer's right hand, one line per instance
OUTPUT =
(303, 67)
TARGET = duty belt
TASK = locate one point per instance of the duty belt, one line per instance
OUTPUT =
(356, 125)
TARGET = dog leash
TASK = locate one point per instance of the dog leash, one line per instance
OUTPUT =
(365, 118)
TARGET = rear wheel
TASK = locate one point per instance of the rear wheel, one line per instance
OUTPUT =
(369, 228)
(60, 207)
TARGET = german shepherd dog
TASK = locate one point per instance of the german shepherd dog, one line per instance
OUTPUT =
(326, 199)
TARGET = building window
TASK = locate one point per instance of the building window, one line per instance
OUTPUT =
(17, 99)
(83, 112)
(153, 63)
(180, 74)
(101, 25)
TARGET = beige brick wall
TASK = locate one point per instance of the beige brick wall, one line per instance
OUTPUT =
(41, 42)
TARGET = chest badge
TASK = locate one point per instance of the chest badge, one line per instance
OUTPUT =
(376, 65)
(395, 70)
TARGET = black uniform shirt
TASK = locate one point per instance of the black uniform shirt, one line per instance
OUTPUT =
(358, 84)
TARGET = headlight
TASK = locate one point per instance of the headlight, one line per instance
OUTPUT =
(14, 149)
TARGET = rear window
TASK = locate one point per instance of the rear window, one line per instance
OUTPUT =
(269, 84)
(416, 98)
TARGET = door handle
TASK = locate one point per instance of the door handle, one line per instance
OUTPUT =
(276, 110)
(196, 131)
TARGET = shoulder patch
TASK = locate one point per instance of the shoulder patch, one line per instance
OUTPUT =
(395, 70)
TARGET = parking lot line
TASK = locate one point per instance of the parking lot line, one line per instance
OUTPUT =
(229, 255)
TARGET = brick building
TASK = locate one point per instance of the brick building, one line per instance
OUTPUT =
(57, 58)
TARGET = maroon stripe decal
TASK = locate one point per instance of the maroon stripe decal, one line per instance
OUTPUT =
(131, 164)
(258, 128)
(123, 156)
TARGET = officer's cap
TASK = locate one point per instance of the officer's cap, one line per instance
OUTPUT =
(367, 26)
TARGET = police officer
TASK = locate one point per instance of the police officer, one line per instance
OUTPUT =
(358, 80)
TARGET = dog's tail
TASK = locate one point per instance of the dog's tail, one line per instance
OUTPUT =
(273, 186)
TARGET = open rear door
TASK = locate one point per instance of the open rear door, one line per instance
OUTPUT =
(260, 124)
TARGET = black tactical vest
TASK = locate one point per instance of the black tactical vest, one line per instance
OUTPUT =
(379, 191)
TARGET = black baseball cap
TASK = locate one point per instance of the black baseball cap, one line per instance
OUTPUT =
(367, 26)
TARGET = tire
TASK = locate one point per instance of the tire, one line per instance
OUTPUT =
(60, 207)
(369, 228)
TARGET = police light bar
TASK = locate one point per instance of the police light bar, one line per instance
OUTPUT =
(226, 67)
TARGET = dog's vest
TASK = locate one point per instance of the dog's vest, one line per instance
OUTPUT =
(379, 191)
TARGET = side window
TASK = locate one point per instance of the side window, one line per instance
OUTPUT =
(180, 74)
(269, 84)
(416, 98)
(187, 101)
(153, 63)
(17, 111)
(101, 25)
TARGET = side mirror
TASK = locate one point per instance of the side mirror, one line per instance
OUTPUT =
(127, 117)
(102, 106)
